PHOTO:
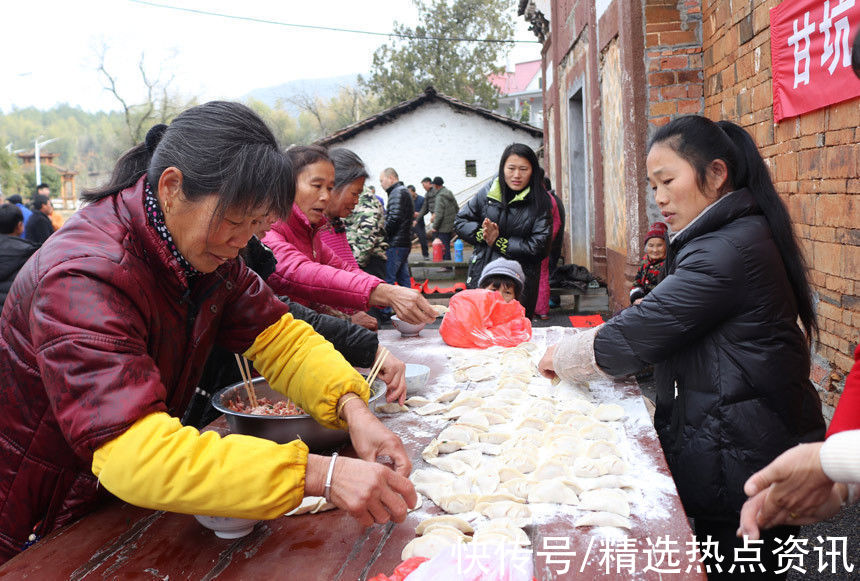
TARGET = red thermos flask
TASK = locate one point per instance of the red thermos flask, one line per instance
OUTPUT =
(438, 250)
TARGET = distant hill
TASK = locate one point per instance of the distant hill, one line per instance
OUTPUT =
(325, 89)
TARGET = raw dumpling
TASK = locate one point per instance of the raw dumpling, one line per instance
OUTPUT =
(457, 503)
(554, 491)
(597, 431)
(587, 467)
(464, 399)
(493, 437)
(602, 519)
(494, 418)
(507, 473)
(612, 465)
(471, 458)
(447, 520)
(459, 432)
(437, 446)
(391, 408)
(448, 396)
(549, 470)
(519, 460)
(476, 419)
(601, 448)
(430, 545)
(606, 500)
(567, 415)
(449, 464)
(608, 412)
(532, 423)
(417, 401)
(311, 505)
(497, 497)
(606, 481)
(504, 509)
(501, 531)
(518, 487)
(485, 481)
(431, 409)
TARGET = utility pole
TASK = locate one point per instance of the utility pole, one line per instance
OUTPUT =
(38, 164)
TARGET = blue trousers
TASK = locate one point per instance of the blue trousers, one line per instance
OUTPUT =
(398, 266)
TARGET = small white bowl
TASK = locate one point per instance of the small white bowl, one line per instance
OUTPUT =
(407, 329)
(416, 377)
(226, 527)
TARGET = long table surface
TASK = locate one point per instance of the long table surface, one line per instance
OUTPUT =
(121, 541)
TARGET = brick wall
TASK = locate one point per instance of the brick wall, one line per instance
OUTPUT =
(674, 67)
(814, 161)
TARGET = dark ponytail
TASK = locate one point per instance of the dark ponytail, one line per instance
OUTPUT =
(700, 141)
(221, 148)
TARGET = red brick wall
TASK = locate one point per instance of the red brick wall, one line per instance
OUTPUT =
(815, 162)
(673, 59)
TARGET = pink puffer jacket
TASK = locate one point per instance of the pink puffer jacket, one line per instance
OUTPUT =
(310, 273)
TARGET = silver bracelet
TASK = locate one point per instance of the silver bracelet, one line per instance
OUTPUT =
(327, 492)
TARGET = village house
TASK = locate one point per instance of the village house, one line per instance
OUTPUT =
(435, 135)
(521, 92)
(615, 70)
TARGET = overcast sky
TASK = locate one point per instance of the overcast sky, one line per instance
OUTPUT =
(49, 47)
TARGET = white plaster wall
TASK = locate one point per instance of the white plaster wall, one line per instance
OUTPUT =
(436, 139)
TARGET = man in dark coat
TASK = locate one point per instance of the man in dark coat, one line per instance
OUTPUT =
(39, 227)
(444, 213)
(14, 250)
(398, 227)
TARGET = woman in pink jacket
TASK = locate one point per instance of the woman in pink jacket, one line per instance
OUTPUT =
(309, 271)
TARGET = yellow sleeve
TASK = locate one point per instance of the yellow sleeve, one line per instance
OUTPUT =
(305, 367)
(161, 465)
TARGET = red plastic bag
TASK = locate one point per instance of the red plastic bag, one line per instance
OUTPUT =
(402, 571)
(481, 318)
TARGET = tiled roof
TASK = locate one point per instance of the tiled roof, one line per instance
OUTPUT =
(428, 96)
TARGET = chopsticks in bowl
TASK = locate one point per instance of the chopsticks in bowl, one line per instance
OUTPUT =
(377, 365)
(245, 372)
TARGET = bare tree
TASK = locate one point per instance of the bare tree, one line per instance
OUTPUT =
(313, 105)
(159, 106)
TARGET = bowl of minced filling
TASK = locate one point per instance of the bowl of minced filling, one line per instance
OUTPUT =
(277, 418)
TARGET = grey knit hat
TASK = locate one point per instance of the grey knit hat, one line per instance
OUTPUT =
(504, 267)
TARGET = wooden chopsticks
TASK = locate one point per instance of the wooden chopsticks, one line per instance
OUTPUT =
(377, 365)
(245, 372)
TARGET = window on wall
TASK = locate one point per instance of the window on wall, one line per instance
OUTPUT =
(471, 168)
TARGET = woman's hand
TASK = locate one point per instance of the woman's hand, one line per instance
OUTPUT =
(365, 320)
(408, 304)
(372, 439)
(490, 231)
(546, 366)
(393, 373)
(789, 489)
(368, 491)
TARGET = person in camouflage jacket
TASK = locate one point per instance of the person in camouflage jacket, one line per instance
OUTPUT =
(365, 230)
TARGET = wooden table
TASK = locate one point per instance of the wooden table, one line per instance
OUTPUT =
(121, 541)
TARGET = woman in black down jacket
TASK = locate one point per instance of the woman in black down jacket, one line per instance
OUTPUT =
(731, 362)
(510, 217)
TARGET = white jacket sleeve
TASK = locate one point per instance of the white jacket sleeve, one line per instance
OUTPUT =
(840, 457)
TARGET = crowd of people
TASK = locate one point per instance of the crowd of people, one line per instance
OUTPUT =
(112, 340)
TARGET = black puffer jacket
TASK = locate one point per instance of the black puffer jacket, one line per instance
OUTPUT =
(524, 236)
(722, 329)
(14, 252)
(398, 216)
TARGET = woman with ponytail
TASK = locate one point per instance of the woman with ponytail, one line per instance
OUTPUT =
(105, 331)
(731, 361)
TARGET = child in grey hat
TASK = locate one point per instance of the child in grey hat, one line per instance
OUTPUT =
(504, 276)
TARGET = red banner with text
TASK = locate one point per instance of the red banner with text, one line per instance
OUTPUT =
(810, 47)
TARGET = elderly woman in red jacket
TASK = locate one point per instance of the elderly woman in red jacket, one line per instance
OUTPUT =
(310, 272)
(104, 334)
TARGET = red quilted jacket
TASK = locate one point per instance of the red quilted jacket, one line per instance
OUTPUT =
(100, 329)
(310, 273)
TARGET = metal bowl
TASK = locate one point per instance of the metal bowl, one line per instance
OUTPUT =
(283, 429)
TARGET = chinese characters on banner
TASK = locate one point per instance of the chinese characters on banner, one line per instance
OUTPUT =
(810, 44)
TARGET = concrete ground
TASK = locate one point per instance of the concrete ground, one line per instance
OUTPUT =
(830, 533)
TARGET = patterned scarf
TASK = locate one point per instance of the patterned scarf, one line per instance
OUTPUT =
(155, 217)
